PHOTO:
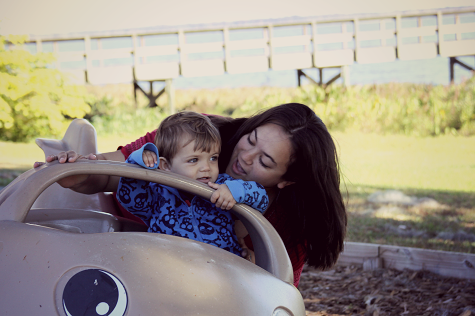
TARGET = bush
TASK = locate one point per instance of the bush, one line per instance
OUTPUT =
(113, 111)
(395, 108)
(35, 100)
(411, 109)
(126, 122)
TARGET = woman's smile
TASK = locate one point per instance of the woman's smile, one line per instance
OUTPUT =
(237, 168)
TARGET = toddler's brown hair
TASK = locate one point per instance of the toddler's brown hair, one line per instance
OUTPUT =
(174, 128)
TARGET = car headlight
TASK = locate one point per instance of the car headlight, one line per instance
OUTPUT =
(92, 292)
(281, 311)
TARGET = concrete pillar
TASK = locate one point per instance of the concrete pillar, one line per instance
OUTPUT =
(171, 95)
(345, 74)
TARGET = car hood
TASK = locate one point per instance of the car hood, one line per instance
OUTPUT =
(161, 274)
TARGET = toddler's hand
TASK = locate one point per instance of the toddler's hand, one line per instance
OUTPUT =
(222, 197)
(149, 158)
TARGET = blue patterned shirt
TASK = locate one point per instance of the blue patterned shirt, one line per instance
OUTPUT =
(165, 211)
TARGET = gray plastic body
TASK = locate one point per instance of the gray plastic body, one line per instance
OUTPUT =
(42, 248)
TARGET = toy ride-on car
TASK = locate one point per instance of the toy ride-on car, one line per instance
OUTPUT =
(65, 253)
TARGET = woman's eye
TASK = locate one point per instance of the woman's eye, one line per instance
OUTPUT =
(249, 139)
(263, 164)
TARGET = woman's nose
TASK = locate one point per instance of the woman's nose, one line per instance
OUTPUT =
(248, 156)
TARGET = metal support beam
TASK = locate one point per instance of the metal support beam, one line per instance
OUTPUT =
(150, 96)
(300, 73)
(171, 95)
(464, 65)
(452, 62)
(332, 80)
(134, 84)
(345, 73)
(451, 69)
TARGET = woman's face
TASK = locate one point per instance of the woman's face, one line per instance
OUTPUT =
(262, 156)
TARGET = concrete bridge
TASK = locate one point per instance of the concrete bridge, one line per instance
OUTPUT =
(164, 53)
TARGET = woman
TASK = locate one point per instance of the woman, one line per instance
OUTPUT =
(290, 152)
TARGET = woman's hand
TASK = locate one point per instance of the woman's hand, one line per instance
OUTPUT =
(246, 253)
(87, 184)
(241, 233)
(70, 156)
(64, 157)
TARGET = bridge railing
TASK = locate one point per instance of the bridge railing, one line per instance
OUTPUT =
(299, 43)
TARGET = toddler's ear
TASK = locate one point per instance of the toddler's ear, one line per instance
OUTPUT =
(163, 164)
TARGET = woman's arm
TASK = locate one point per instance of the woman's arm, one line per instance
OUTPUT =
(90, 184)
(87, 184)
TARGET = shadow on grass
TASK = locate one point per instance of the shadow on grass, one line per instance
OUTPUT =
(452, 198)
(449, 226)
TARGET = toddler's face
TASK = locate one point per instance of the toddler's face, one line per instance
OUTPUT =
(198, 165)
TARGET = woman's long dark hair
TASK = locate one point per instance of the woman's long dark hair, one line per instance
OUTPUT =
(314, 205)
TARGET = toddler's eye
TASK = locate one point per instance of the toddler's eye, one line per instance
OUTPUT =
(214, 158)
(193, 160)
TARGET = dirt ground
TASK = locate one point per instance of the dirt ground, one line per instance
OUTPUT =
(352, 291)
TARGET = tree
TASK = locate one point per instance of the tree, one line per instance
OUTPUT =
(35, 99)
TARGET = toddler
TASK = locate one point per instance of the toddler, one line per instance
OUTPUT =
(187, 143)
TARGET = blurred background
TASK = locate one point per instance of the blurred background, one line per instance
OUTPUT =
(393, 81)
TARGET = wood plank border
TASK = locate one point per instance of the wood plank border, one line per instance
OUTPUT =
(445, 263)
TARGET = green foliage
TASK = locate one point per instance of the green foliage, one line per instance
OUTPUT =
(125, 122)
(395, 108)
(113, 111)
(34, 100)
(411, 109)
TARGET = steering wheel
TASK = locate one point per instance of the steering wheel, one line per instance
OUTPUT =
(17, 199)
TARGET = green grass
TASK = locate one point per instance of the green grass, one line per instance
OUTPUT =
(442, 168)
(23, 155)
(16, 158)
(456, 214)
(444, 163)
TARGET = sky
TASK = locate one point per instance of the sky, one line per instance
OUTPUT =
(43, 17)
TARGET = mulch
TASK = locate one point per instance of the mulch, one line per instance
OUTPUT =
(349, 290)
